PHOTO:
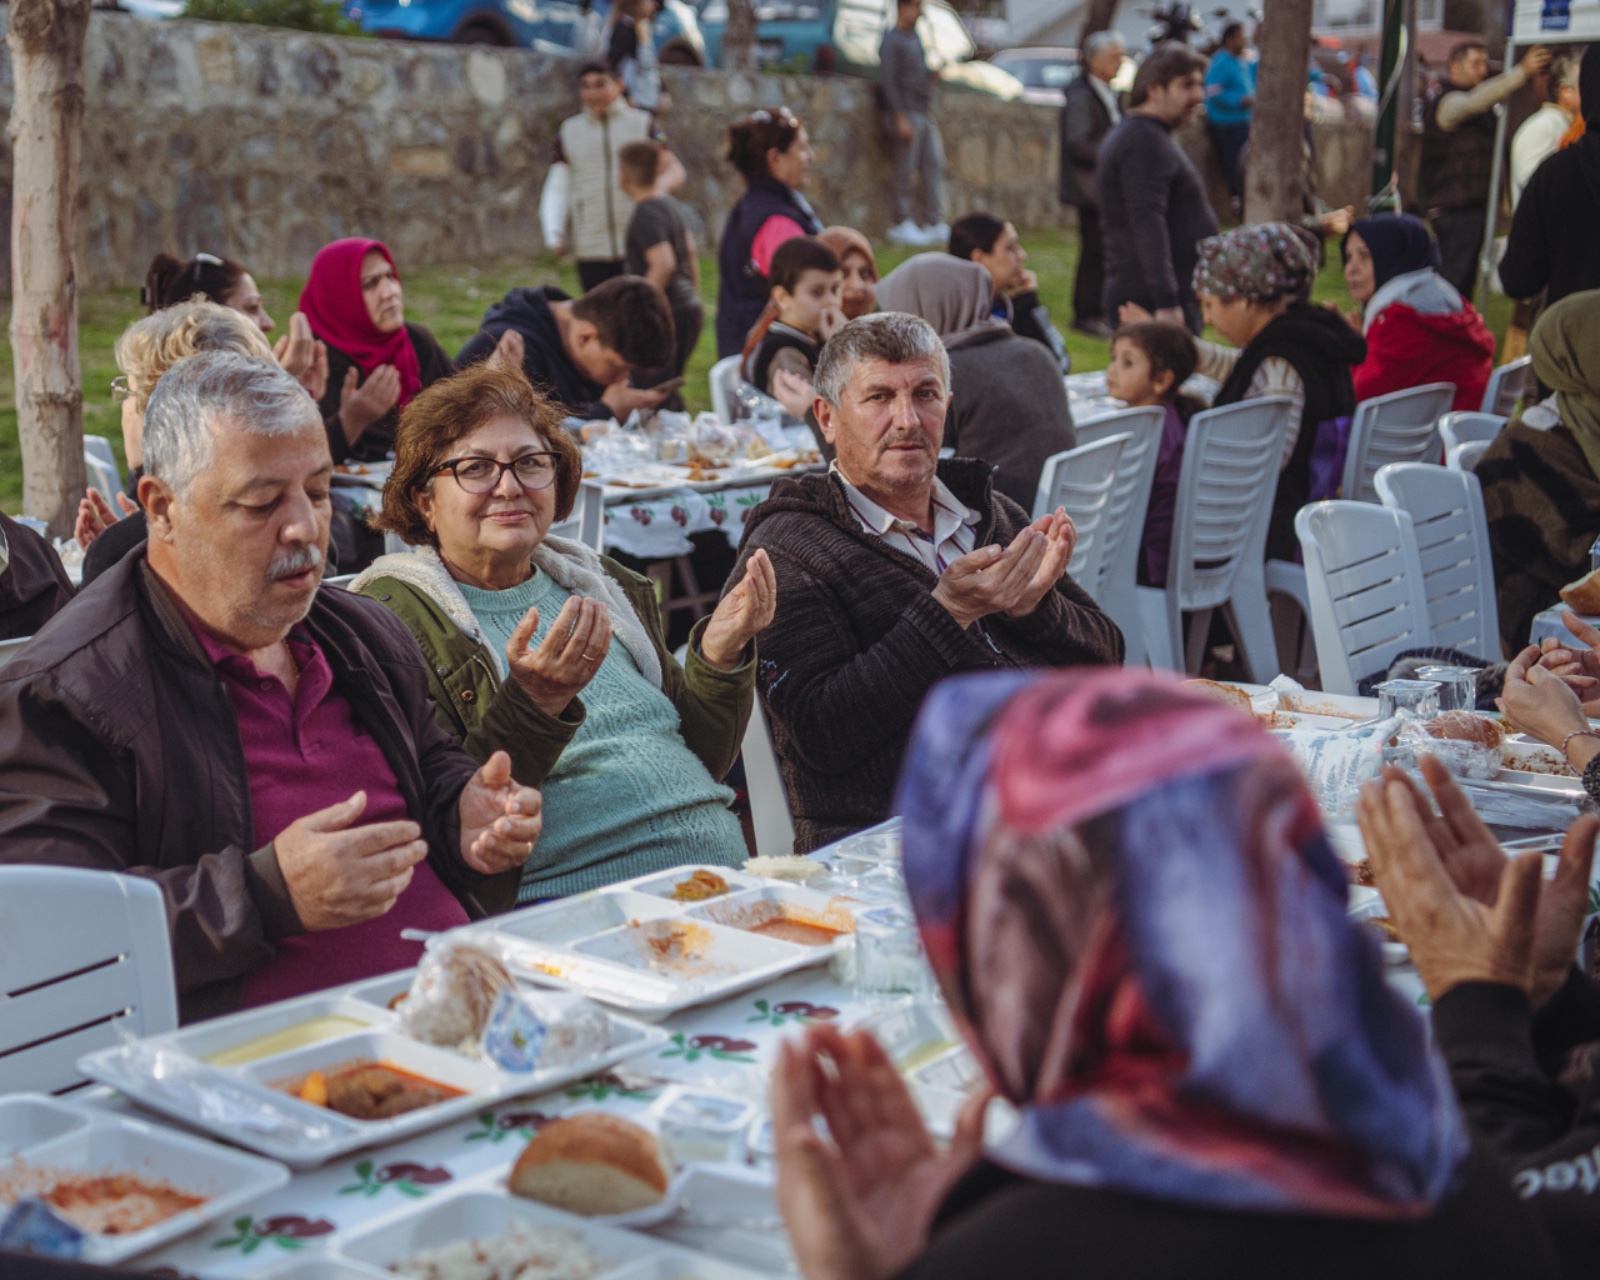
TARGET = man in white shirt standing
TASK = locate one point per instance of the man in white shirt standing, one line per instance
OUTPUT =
(1090, 111)
(1539, 136)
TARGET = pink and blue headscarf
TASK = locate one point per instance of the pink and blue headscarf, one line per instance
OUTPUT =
(1133, 911)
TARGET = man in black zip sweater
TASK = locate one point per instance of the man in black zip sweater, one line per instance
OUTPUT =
(1494, 946)
(894, 570)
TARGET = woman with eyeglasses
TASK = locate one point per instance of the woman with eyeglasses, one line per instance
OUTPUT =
(515, 625)
(771, 150)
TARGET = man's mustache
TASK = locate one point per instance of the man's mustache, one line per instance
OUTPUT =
(295, 562)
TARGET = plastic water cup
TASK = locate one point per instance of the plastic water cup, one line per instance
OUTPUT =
(1458, 686)
(1419, 698)
(889, 961)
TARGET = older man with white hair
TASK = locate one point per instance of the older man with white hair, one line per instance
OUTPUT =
(263, 749)
(1091, 108)
(894, 570)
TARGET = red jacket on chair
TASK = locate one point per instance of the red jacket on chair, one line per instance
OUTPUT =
(1406, 348)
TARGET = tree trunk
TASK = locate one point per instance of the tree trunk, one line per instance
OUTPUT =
(1097, 18)
(739, 37)
(46, 39)
(1274, 186)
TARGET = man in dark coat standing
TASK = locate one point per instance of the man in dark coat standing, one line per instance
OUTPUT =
(1090, 111)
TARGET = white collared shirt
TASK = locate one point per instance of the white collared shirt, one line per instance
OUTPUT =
(954, 524)
(1106, 94)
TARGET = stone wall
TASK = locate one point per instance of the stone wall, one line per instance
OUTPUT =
(264, 145)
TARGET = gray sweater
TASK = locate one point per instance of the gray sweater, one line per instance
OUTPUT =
(903, 72)
(1010, 409)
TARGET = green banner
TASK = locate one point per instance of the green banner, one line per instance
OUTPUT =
(1385, 188)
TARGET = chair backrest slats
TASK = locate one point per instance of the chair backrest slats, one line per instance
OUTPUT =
(80, 953)
(1399, 427)
(1225, 495)
(1459, 428)
(1506, 385)
(1452, 539)
(1365, 585)
(1082, 480)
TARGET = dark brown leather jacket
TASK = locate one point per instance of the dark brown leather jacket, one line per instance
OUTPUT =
(33, 586)
(119, 750)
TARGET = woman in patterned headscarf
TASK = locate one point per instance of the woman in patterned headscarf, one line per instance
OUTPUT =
(1132, 910)
(1252, 283)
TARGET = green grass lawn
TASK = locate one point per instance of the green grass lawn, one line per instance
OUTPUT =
(451, 301)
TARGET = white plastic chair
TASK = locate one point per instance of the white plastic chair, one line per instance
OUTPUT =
(587, 523)
(1452, 533)
(101, 460)
(1219, 538)
(10, 648)
(1465, 457)
(1399, 427)
(82, 954)
(1082, 480)
(1459, 428)
(1364, 580)
(769, 801)
(724, 380)
(1506, 385)
(1123, 528)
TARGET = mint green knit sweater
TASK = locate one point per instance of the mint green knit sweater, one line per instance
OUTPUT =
(627, 796)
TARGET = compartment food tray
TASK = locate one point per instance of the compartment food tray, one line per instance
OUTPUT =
(613, 944)
(300, 1133)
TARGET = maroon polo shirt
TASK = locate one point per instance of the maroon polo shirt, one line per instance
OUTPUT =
(304, 755)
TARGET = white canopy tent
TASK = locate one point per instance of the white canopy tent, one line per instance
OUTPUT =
(1551, 22)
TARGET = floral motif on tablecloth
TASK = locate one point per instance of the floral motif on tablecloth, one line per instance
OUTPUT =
(406, 1177)
(287, 1231)
(512, 1124)
(608, 1084)
(790, 1011)
(720, 1048)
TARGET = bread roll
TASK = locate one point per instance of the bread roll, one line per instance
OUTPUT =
(1464, 726)
(591, 1164)
(1583, 596)
(1222, 693)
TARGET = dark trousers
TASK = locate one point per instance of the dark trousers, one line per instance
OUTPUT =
(1229, 141)
(1460, 236)
(598, 271)
(1091, 282)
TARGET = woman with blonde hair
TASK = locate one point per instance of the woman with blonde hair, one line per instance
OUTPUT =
(145, 351)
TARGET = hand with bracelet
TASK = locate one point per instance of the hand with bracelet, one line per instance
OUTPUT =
(1542, 704)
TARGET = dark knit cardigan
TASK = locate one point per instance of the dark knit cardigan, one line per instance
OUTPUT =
(859, 640)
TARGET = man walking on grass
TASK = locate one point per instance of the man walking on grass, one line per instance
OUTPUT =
(907, 88)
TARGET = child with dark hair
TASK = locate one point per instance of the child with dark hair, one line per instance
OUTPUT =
(661, 248)
(806, 280)
(580, 351)
(994, 245)
(1150, 362)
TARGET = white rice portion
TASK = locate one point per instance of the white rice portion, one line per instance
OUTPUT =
(523, 1252)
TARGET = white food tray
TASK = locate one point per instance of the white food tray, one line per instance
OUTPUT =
(63, 1136)
(307, 1135)
(599, 943)
(370, 1252)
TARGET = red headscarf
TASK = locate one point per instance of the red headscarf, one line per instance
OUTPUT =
(337, 313)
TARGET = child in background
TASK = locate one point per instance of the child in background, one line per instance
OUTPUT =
(806, 280)
(1150, 361)
(661, 247)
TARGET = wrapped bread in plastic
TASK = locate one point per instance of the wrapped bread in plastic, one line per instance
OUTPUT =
(453, 994)
(1464, 726)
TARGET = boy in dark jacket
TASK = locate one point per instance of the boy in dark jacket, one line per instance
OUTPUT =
(581, 351)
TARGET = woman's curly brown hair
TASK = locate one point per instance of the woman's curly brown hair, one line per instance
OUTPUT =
(449, 411)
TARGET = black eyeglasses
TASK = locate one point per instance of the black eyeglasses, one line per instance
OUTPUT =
(482, 475)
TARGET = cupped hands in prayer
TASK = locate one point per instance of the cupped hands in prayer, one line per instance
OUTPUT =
(1467, 912)
(363, 403)
(303, 356)
(500, 818)
(338, 873)
(555, 672)
(1010, 580)
(95, 515)
(742, 614)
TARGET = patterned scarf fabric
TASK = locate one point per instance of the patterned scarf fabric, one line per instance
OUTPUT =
(1132, 909)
